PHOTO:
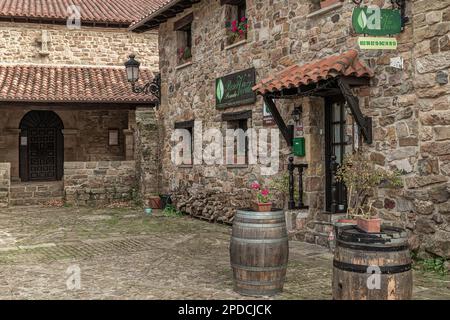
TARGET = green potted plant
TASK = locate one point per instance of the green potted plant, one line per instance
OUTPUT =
(362, 177)
(263, 196)
(184, 55)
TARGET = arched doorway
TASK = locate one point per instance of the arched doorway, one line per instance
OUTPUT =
(41, 147)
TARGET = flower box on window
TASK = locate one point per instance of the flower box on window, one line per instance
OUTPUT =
(184, 55)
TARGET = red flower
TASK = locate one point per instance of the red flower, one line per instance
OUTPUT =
(234, 23)
(241, 31)
(255, 186)
(243, 19)
(265, 192)
(234, 29)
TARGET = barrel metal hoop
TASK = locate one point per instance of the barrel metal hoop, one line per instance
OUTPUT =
(256, 216)
(363, 269)
(260, 283)
(278, 240)
(257, 269)
(366, 247)
(263, 225)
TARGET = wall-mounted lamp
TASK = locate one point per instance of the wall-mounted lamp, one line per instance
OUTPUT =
(297, 113)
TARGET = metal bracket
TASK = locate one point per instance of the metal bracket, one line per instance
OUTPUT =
(153, 87)
(365, 123)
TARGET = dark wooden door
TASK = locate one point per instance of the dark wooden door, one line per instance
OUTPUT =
(335, 145)
(42, 153)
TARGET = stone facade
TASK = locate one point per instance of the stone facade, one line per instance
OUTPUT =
(409, 108)
(147, 155)
(5, 184)
(99, 183)
(86, 127)
(22, 42)
(85, 135)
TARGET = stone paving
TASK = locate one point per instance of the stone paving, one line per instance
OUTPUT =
(123, 254)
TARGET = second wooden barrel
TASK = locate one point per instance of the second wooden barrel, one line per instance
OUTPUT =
(259, 252)
(372, 266)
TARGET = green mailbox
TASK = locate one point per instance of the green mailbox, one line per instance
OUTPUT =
(299, 147)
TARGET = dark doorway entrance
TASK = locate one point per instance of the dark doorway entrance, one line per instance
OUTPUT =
(335, 144)
(41, 145)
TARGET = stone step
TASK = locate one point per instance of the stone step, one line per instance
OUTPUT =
(35, 193)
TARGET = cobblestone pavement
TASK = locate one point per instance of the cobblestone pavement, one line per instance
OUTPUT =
(123, 254)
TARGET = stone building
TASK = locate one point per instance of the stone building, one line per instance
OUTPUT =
(397, 113)
(69, 121)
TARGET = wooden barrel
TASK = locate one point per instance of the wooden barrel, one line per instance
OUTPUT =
(259, 252)
(372, 266)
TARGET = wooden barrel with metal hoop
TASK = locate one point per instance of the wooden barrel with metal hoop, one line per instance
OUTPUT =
(372, 266)
(259, 252)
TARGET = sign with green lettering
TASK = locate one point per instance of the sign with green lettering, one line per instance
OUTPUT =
(377, 43)
(374, 21)
(236, 89)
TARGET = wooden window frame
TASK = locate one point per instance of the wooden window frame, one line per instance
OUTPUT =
(187, 125)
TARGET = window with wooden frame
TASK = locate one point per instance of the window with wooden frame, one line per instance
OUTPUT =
(236, 20)
(189, 126)
(113, 137)
(183, 28)
(237, 151)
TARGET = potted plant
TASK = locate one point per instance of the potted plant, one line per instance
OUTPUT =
(262, 203)
(184, 55)
(237, 30)
(361, 178)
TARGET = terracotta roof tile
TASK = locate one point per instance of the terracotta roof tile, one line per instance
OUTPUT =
(346, 64)
(99, 11)
(41, 83)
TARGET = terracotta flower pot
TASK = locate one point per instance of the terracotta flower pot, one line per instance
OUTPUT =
(327, 3)
(347, 221)
(372, 225)
(262, 207)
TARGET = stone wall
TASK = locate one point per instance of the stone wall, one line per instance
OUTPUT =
(99, 183)
(85, 135)
(22, 42)
(147, 153)
(409, 107)
(5, 184)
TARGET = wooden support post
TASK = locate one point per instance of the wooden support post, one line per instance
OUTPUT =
(287, 134)
(365, 123)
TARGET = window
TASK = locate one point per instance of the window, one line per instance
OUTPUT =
(188, 159)
(183, 27)
(236, 20)
(113, 137)
(237, 143)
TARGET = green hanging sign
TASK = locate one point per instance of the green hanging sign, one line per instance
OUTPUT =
(374, 21)
(236, 89)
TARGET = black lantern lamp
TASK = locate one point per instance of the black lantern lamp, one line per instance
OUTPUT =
(153, 87)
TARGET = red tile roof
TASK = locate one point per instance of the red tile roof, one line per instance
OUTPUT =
(346, 64)
(79, 84)
(99, 11)
(165, 10)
